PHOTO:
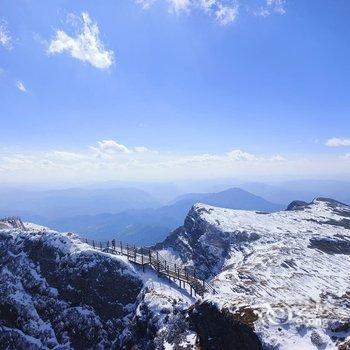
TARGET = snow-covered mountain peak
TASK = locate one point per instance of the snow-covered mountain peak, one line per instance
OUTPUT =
(295, 261)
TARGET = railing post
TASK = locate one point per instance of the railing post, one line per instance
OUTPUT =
(143, 266)
(107, 245)
(101, 245)
(186, 274)
(127, 250)
(150, 256)
(121, 246)
(93, 244)
(86, 241)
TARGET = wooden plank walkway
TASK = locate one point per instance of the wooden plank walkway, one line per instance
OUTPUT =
(146, 257)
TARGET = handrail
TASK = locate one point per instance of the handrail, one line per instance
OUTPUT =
(145, 256)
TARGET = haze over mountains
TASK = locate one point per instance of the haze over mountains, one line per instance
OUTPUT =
(148, 226)
(52, 204)
(143, 213)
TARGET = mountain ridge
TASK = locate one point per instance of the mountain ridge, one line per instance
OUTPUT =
(136, 224)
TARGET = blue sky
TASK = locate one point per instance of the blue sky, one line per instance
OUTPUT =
(174, 89)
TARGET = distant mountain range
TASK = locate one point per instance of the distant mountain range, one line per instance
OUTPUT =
(143, 213)
(49, 205)
(286, 191)
(148, 226)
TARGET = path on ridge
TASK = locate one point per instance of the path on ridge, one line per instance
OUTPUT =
(146, 257)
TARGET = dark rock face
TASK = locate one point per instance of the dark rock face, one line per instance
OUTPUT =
(51, 297)
(220, 329)
(297, 205)
(207, 255)
(331, 245)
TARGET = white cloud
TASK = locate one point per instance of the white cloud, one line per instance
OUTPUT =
(145, 4)
(5, 37)
(21, 86)
(276, 6)
(110, 147)
(179, 5)
(337, 142)
(224, 12)
(86, 46)
(271, 6)
(238, 155)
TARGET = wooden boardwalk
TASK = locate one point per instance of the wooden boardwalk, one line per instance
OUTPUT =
(146, 257)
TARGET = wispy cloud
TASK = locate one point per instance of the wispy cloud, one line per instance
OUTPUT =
(224, 12)
(86, 45)
(179, 5)
(21, 86)
(5, 37)
(337, 142)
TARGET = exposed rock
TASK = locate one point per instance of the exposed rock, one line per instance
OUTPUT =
(320, 340)
(220, 329)
(344, 345)
(12, 222)
(297, 205)
(331, 245)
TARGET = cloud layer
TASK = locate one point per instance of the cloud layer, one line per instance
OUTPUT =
(85, 46)
(111, 160)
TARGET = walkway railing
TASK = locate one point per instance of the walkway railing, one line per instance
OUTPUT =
(145, 256)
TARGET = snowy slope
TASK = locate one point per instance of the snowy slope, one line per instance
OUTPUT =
(291, 267)
(57, 292)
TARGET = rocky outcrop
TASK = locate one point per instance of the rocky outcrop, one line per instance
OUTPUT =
(202, 245)
(12, 222)
(223, 329)
(297, 205)
(53, 293)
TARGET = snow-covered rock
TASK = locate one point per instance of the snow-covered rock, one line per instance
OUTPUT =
(291, 267)
(57, 292)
